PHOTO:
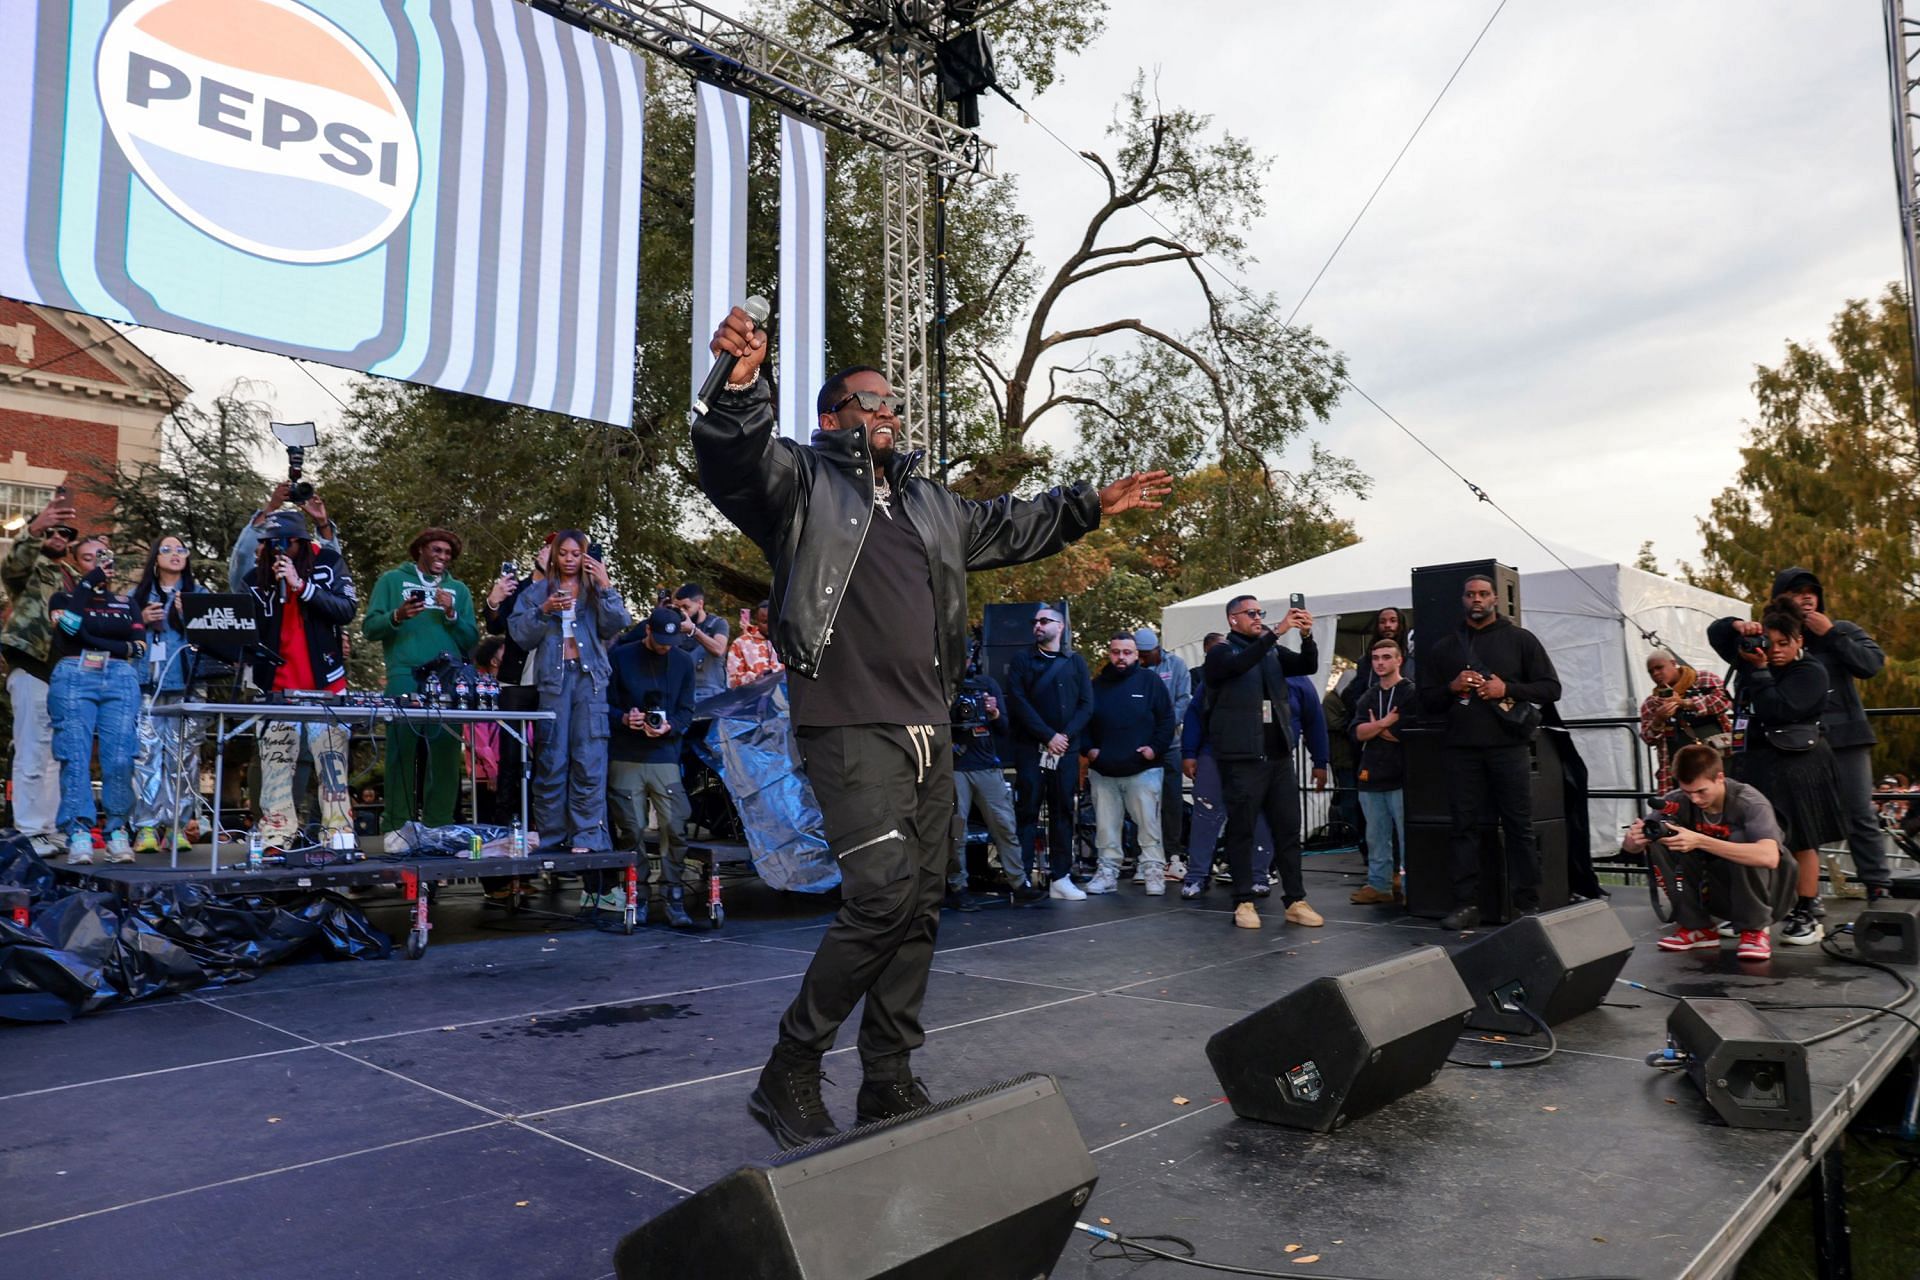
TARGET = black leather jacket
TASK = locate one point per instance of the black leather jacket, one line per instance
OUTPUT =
(807, 507)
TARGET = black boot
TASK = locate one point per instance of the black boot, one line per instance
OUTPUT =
(787, 1100)
(887, 1096)
(673, 902)
(1466, 917)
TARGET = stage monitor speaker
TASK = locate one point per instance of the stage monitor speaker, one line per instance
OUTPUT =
(1558, 964)
(985, 1187)
(1750, 1074)
(1889, 932)
(1437, 610)
(1340, 1047)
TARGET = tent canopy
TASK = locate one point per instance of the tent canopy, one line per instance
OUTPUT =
(1576, 609)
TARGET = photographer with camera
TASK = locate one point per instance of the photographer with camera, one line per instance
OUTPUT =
(1778, 745)
(705, 639)
(650, 696)
(1685, 707)
(307, 600)
(1050, 692)
(93, 699)
(980, 780)
(1715, 844)
(169, 748)
(245, 549)
(566, 623)
(38, 566)
(419, 611)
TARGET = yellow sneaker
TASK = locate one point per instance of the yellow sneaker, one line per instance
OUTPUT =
(1245, 917)
(1301, 913)
(146, 841)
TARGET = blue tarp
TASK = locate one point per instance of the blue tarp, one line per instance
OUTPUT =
(749, 743)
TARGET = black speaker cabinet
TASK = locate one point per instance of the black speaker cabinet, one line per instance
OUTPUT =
(1427, 790)
(1340, 1047)
(1429, 880)
(1558, 964)
(1750, 1074)
(1437, 610)
(985, 1187)
(1889, 932)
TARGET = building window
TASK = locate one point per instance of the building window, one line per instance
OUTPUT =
(21, 502)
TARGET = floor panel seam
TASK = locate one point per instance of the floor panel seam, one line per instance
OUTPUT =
(157, 1071)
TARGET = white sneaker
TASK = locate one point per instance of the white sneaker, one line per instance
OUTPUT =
(1176, 868)
(394, 842)
(614, 900)
(1065, 888)
(80, 848)
(1156, 883)
(119, 848)
(1139, 874)
(49, 845)
(1103, 882)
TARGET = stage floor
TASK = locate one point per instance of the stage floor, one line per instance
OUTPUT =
(510, 1106)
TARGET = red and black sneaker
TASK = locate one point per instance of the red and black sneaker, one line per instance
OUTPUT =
(1690, 940)
(1755, 944)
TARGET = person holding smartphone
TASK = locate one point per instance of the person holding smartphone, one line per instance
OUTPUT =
(37, 567)
(94, 699)
(419, 611)
(166, 744)
(566, 622)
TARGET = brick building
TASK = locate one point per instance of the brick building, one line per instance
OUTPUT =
(76, 400)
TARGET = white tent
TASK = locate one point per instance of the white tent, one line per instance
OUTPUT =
(1577, 611)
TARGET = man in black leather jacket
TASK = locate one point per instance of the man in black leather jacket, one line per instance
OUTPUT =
(869, 611)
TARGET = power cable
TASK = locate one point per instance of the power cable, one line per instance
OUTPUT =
(1499, 1064)
(1125, 1248)
(1264, 308)
(1396, 161)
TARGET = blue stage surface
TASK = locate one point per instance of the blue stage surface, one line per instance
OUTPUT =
(509, 1106)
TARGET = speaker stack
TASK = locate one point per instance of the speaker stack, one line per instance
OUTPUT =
(1437, 611)
(985, 1187)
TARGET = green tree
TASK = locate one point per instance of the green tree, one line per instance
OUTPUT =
(1644, 559)
(204, 484)
(1830, 479)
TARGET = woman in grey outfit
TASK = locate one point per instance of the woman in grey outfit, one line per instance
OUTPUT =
(566, 622)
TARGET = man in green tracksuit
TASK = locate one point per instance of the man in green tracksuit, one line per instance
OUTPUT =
(418, 612)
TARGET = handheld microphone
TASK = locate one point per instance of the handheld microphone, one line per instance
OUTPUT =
(757, 309)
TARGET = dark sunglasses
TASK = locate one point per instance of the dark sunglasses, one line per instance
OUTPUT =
(871, 401)
(1254, 613)
(66, 531)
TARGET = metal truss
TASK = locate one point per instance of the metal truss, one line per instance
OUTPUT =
(1903, 48)
(748, 60)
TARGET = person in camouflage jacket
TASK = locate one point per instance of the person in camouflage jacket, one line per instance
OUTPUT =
(38, 566)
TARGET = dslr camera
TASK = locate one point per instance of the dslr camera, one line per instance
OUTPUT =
(969, 708)
(651, 712)
(1754, 643)
(298, 437)
(1658, 824)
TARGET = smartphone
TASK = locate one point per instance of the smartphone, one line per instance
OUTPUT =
(508, 571)
(1296, 601)
(596, 552)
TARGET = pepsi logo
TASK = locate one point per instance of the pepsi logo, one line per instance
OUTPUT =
(261, 123)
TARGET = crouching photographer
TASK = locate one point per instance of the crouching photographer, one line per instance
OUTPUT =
(1716, 846)
(306, 597)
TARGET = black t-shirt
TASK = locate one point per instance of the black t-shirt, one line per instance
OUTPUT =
(880, 663)
(1383, 763)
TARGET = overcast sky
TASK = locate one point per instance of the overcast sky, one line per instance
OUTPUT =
(1616, 213)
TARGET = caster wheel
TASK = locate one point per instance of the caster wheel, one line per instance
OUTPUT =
(626, 926)
(416, 946)
(716, 917)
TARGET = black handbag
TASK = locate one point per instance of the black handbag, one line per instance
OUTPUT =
(1520, 719)
(1792, 737)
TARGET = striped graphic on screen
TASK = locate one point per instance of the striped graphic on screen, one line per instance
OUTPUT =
(443, 191)
(803, 273)
(719, 217)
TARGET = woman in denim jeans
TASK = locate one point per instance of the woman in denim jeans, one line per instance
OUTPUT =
(94, 695)
(566, 622)
(165, 770)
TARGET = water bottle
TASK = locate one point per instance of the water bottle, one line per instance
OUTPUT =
(517, 840)
(461, 701)
(431, 691)
(256, 849)
(489, 694)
